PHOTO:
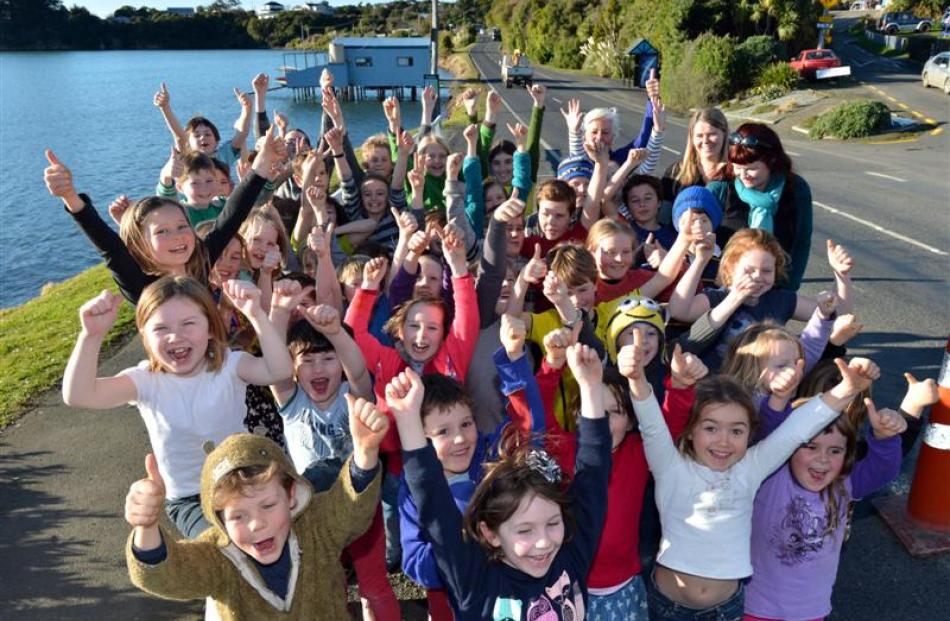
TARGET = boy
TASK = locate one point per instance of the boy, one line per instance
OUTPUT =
(640, 207)
(273, 550)
(200, 135)
(313, 404)
(192, 181)
(449, 424)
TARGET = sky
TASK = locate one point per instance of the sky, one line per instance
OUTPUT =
(104, 8)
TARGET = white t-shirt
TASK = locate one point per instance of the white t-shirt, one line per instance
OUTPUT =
(314, 434)
(182, 413)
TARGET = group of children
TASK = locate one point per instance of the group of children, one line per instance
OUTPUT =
(446, 366)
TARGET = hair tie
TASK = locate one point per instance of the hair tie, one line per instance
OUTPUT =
(541, 462)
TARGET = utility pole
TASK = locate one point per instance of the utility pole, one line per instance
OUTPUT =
(434, 39)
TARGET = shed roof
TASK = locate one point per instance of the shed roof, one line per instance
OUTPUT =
(642, 46)
(383, 42)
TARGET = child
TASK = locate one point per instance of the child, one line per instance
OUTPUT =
(274, 546)
(556, 207)
(156, 238)
(640, 207)
(448, 420)
(192, 181)
(706, 483)
(751, 264)
(190, 389)
(616, 588)
(801, 514)
(527, 548)
(267, 247)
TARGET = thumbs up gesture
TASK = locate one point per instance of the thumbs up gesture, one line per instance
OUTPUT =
(145, 499)
(685, 369)
(886, 423)
(59, 182)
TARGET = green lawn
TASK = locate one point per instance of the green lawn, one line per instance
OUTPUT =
(37, 337)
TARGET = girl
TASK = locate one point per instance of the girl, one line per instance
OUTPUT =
(766, 193)
(706, 156)
(706, 482)
(617, 591)
(191, 389)
(751, 264)
(612, 244)
(801, 514)
(529, 537)
(267, 248)
(155, 238)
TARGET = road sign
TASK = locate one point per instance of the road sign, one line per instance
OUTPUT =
(824, 26)
(829, 4)
(826, 19)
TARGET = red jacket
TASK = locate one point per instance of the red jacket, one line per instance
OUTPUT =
(385, 363)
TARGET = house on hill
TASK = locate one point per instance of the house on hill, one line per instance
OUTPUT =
(320, 8)
(269, 10)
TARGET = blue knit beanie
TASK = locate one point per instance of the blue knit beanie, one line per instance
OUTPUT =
(575, 166)
(699, 198)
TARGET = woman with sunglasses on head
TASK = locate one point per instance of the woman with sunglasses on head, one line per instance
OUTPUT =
(765, 193)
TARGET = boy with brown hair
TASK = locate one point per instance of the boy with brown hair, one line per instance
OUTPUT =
(273, 550)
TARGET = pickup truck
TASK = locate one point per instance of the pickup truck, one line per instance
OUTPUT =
(516, 70)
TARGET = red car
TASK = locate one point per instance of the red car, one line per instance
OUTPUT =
(809, 61)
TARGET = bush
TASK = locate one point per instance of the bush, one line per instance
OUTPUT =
(776, 80)
(852, 119)
(752, 57)
(446, 45)
(704, 76)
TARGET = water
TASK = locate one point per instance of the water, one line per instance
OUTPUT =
(94, 110)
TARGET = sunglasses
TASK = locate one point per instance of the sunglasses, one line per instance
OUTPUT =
(747, 141)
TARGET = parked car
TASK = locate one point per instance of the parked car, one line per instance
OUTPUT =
(858, 6)
(809, 61)
(937, 72)
(903, 21)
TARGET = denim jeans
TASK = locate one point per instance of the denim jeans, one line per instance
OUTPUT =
(663, 608)
(323, 474)
(186, 514)
(626, 604)
(390, 498)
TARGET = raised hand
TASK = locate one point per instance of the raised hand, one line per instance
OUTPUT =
(573, 117)
(635, 156)
(685, 369)
(406, 222)
(585, 365)
(280, 120)
(244, 296)
(118, 207)
(470, 101)
(845, 328)
(242, 98)
(162, 99)
(319, 240)
(145, 501)
(368, 427)
(419, 242)
(652, 85)
(556, 343)
(743, 288)
(404, 394)
(324, 319)
(839, 259)
(453, 246)
(59, 179)
(653, 251)
(631, 359)
(269, 154)
(334, 138)
(332, 107)
(513, 332)
(417, 179)
(659, 115)
(373, 272)
(97, 316)
(260, 83)
(919, 395)
(885, 423)
(316, 197)
(471, 136)
(405, 143)
(597, 151)
(393, 113)
(856, 376)
(783, 384)
(827, 302)
(492, 105)
(535, 269)
(429, 97)
(554, 289)
(271, 260)
(287, 294)
(520, 134)
(538, 93)
(453, 166)
(509, 211)
(326, 79)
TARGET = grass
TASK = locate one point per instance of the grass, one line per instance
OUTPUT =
(879, 48)
(37, 337)
(464, 70)
(764, 109)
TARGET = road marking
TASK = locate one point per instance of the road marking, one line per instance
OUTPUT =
(903, 106)
(557, 100)
(889, 98)
(666, 148)
(800, 130)
(931, 121)
(937, 131)
(880, 229)
(917, 114)
(792, 153)
(883, 176)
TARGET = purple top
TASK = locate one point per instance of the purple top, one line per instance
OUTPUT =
(794, 561)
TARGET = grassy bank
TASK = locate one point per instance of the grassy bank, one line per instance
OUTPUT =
(464, 70)
(37, 337)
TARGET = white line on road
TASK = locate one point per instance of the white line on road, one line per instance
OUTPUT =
(792, 153)
(883, 176)
(880, 229)
(557, 100)
(666, 148)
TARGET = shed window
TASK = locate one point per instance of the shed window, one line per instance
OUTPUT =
(404, 61)
(363, 61)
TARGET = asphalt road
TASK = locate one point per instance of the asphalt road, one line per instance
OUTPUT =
(898, 230)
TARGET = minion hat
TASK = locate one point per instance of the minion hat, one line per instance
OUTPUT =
(575, 166)
(633, 309)
(243, 450)
(697, 198)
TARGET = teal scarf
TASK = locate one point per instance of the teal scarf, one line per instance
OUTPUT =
(762, 204)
